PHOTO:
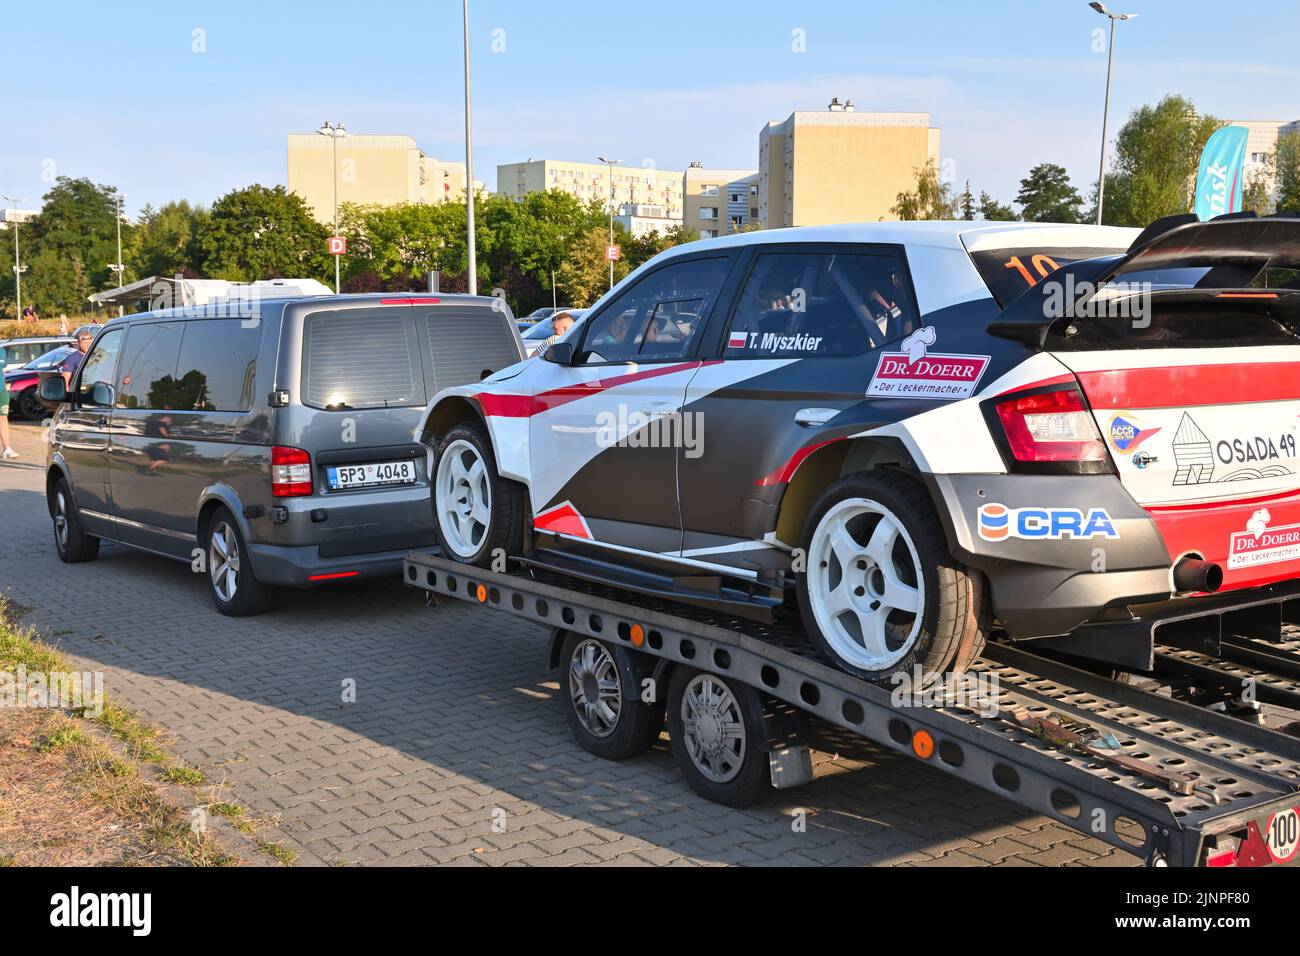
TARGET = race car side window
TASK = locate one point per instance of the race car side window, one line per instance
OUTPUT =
(820, 304)
(656, 318)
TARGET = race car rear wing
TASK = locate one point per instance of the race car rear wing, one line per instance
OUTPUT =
(1235, 257)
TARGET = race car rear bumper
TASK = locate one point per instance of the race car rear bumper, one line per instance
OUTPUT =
(1061, 549)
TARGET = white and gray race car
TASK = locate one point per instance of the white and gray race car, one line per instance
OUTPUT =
(913, 433)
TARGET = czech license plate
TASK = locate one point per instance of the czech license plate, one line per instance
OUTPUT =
(371, 474)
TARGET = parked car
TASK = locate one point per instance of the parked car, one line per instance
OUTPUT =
(543, 330)
(18, 352)
(274, 450)
(902, 429)
(24, 401)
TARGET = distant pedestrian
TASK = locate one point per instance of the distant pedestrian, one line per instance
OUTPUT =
(68, 367)
(29, 315)
(6, 449)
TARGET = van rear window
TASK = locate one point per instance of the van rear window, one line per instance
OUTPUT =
(465, 343)
(361, 359)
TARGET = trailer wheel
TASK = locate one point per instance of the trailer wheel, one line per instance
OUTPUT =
(603, 720)
(718, 738)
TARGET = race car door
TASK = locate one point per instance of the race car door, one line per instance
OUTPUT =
(603, 437)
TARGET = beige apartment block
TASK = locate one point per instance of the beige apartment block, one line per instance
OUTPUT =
(718, 201)
(839, 165)
(633, 185)
(1261, 142)
(372, 170)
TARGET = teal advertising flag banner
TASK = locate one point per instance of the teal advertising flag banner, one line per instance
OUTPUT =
(1218, 180)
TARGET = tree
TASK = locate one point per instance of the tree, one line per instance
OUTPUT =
(164, 240)
(258, 233)
(993, 211)
(1153, 172)
(584, 275)
(1286, 161)
(966, 202)
(1046, 195)
(931, 199)
(55, 282)
(1255, 197)
(78, 220)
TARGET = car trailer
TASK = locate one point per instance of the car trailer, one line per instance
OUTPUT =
(1171, 782)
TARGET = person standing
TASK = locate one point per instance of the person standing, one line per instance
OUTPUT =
(561, 322)
(68, 367)
(6, 448)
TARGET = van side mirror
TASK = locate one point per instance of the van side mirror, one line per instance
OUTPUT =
(102, 394)
(561, 353)
(53, 390)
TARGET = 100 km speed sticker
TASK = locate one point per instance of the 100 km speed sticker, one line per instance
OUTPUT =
(1283, 835)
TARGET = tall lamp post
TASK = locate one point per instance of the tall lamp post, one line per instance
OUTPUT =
(471, 279)
(1105, 113)
(18, 268)
(118, 268)
(611, 163)
(335, 132)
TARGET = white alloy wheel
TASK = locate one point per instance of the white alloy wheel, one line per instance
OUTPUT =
(865, 584)
(463, 499)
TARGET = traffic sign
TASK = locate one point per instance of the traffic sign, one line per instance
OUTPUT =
(338, 245)
(613, 253)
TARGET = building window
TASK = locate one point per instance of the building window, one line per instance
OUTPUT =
(709, 212)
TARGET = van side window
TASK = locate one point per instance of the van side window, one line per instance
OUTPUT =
(658, 316)
(147, 377)
(217, 363)
(361, 358)
(465, 343)
(820, 304)
(98, 366)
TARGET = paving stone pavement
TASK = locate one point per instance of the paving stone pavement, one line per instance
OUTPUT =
(455, 750)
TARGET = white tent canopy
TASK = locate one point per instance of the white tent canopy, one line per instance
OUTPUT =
(173, 292)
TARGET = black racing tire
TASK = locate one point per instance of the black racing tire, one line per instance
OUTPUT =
(29, 406)
(953, 615)
(73, 544)
(723, 770)
(241, 595)
(615, 727)
(502, 526)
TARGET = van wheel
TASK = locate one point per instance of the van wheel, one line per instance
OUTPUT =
(718, 737)
(73, 544)
(881, 594)
(235, 592)
(603, 720)
(477, 510)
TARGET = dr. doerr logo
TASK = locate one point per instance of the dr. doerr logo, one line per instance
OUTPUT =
(915, 372)
(997, 522)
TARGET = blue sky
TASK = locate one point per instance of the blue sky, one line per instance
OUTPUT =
(115, 91)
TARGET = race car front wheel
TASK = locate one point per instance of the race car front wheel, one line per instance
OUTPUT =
(880, 592)
(478, 512)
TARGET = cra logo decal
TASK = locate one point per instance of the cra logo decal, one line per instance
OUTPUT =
(998, 522)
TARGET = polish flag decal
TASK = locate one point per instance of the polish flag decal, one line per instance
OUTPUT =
(563, 519)
(737, 340)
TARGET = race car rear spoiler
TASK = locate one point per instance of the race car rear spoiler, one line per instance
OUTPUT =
(1234, 250)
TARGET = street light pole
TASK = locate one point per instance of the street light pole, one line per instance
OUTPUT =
(18, 268)
(1105, 113)
(611, 163)
(471, 281)
(335, 132)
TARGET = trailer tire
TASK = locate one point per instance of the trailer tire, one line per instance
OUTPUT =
(723, 751)
(603, 720)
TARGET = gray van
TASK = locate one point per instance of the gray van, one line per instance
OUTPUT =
(267, 445)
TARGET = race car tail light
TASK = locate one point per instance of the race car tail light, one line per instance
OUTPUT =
(1052, 427)
(290, 472)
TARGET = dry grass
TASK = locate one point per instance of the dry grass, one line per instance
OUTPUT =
(68, 799)
(10, 329)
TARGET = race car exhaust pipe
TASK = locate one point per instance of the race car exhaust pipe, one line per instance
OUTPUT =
(1193, 574)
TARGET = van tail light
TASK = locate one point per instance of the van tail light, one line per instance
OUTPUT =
(1052, 427)
(290, 472)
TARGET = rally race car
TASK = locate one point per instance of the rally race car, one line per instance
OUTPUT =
(915, 432)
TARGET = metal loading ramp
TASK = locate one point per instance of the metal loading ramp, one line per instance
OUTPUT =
(1239, 774)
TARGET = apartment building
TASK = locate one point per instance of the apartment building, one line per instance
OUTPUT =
(1260, 146)
(372, 170)
(633, 185)
(718, 201)
(839, 165)
(640, 220)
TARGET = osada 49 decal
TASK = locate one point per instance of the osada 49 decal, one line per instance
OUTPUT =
(1282, 836)
(998, 522)
(1260, 544)
(915, 372)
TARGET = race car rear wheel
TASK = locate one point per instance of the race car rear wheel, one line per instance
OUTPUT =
(478, 512)
(880, 593)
